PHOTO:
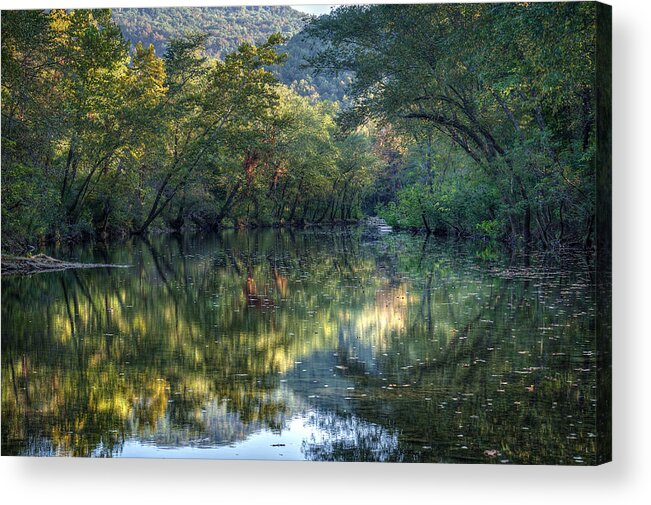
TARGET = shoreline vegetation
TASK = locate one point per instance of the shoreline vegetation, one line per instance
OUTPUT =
(40, 262)
(12, 264)
(456, 120)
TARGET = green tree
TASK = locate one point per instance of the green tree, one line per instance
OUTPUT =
(498, 80)
(207, 99)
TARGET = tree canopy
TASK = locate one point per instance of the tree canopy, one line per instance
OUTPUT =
(508, 87)
(476, 120)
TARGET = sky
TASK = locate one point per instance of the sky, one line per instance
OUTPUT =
(313, 9)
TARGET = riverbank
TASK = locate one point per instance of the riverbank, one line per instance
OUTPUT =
(43, 263)
(17, 248)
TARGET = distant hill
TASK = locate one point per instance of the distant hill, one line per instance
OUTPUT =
(298, 50)
(227, 28)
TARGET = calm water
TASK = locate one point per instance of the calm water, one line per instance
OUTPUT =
(314, 345)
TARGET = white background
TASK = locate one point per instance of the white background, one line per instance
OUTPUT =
(627, 480)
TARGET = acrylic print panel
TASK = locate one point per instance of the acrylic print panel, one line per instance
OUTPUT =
(358, 233)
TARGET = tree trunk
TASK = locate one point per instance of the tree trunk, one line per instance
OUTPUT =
(298, 193)
(526, 225)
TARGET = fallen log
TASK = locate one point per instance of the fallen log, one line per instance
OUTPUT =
(44, 263)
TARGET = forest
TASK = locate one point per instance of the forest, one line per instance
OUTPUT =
(473, 120)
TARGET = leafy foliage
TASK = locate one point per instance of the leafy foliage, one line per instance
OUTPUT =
(229, 27)
(127, 140)
(473, 120)
(510, 85)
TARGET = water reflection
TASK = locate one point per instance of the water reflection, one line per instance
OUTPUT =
(314, 344)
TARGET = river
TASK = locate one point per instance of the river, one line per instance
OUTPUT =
(338, 345)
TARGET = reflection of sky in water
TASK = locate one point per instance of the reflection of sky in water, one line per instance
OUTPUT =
(310, 430)
(300, 435)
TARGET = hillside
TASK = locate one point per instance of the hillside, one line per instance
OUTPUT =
(227, 28)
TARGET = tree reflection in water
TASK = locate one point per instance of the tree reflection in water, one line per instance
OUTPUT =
(389, 350)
